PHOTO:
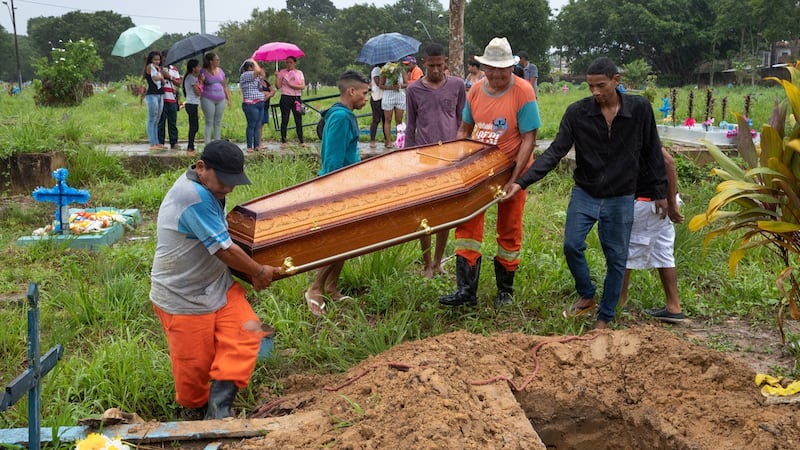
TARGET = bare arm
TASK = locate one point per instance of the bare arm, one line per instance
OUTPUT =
(523, 156)
(465, 130)
(673, 209)
(235, 258)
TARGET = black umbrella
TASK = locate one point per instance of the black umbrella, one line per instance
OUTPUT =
(193, 45)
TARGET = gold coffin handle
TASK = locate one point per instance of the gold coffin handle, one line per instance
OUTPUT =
(287, 267)
(423, 226)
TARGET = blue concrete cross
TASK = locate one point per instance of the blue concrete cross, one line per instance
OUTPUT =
(62, 195)
(31, 379)
(665, 108)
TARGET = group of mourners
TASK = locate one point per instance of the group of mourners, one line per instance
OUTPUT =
(206, 87)
(625, 183)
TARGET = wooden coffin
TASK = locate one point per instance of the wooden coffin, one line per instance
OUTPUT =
(386, 200)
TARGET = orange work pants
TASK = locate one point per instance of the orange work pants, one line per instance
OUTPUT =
(213, 346)
(469, 235)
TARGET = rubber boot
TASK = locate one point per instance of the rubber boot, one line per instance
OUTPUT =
(466, 284)
(220, 399)
(505, 285)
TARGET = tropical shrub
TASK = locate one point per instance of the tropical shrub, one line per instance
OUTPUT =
(64, 78)
(761, 195)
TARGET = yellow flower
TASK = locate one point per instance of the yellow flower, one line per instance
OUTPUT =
(97, 441)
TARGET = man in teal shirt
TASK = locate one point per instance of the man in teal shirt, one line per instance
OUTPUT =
(339, 149)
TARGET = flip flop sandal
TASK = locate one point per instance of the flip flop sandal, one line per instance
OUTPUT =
(341, 298)
(317, 308)
(577, 311)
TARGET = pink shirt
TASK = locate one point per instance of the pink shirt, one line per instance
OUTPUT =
(295, 77)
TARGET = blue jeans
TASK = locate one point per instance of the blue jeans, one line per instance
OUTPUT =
(253, 113)
(614, 218)
(155, 105)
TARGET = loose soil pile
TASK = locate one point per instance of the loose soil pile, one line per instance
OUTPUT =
(642, 387)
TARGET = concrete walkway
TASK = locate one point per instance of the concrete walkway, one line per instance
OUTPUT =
(273, 148)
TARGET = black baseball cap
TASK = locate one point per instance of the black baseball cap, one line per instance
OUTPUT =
(227, 160)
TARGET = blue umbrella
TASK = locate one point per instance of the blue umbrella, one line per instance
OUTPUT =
(387, 47)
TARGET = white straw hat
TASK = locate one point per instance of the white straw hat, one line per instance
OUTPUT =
(497, 54)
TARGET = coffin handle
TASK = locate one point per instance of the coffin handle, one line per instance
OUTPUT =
(287, 267)
(423, 226)
(499, 193)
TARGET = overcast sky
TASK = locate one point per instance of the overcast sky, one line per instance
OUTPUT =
(173, 16)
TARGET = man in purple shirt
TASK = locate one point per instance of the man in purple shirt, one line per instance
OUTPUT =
(433, 107)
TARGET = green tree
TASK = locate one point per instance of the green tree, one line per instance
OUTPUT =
(61, 79)
(269, 26)
(311, 12)
(667, 33)
(102, 27)
(525, 23)
(635, 73)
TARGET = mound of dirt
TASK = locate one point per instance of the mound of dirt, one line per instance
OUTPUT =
(641, 387)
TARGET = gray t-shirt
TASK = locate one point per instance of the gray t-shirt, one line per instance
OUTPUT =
(531, 71)
(186, 277)
(191, 97)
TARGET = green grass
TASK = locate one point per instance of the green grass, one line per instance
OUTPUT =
(116, 116)
(96, 303)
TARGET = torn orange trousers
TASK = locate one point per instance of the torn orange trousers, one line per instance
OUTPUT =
(469, 235)
(212, 346)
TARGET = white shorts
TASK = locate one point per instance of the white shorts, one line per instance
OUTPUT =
(394, 100)
(652, 244)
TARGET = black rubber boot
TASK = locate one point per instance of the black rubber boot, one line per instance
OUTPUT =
(220, 399)
(466, 284)
(505, 285)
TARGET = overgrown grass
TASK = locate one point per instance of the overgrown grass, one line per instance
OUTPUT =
(117, 116)
(96, 303)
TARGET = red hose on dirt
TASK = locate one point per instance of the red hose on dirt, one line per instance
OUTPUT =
(530, 378)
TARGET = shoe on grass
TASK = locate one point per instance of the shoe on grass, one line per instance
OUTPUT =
(664, 315)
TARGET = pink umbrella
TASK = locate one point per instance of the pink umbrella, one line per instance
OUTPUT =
(277, 51)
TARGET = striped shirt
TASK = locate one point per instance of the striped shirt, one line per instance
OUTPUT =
(169, 85)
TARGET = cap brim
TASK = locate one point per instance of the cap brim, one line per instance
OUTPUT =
(499, 64)
(232, 179)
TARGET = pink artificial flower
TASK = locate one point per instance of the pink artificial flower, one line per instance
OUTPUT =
(689, 122)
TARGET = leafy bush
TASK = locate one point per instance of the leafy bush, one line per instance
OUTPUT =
(63, 77)
(763, 195)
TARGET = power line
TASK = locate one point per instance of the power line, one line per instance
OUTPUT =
(72, 8)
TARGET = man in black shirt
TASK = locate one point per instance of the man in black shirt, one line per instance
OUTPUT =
(616, 141)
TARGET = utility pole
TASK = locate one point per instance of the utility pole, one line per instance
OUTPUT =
(202, 17)
(11, 10)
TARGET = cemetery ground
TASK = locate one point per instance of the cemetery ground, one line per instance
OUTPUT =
(393, 369)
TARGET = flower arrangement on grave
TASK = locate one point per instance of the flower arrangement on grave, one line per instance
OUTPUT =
(724, 106)
(392, 72)
(84, 222)
(709, 109)
(689, 122)
(747, 105)
(674, 97)
(97, 441)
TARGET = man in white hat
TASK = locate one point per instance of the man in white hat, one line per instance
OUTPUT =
(501, 110)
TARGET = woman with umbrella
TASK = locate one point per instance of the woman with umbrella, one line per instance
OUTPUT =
(214, 97)
(291, 82)
(154, 96)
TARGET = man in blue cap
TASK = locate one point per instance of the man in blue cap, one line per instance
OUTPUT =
(212, 331)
